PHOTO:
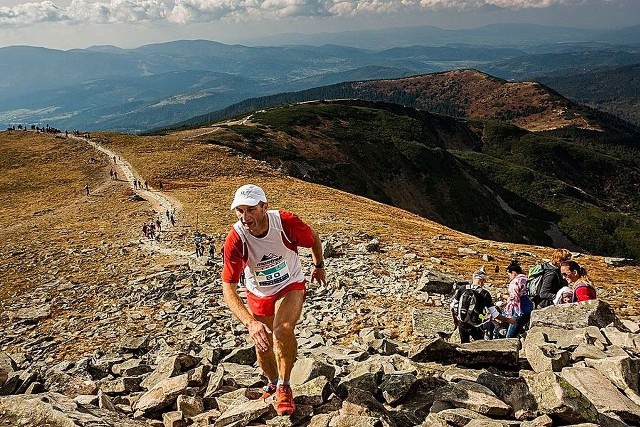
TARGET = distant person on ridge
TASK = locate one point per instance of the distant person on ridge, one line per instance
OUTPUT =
(264, 245)
(86, 188)
(468, 306)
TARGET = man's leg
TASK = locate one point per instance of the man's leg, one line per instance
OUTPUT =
(288, 311)
(267, 359)
(463, 329)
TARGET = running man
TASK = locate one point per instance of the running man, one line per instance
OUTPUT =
(264, 244)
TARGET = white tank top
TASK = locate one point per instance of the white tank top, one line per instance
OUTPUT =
(271, 266)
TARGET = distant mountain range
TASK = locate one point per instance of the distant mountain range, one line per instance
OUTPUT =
(134, 90)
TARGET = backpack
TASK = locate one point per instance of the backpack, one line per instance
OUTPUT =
(467, 305)
(534, 281)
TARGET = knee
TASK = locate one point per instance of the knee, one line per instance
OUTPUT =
(283, 331)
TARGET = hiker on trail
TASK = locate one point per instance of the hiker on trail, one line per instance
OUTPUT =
(264, 245)
(468, 307)
(545, 280)
(173, 220)
(146, 185)
(86, 188)
(212, 250)
(115, 175)
(519, 306)
(145, 230)
(111, 173)
(166, 212)
(583, 289)
(158, 224)
(197, 243)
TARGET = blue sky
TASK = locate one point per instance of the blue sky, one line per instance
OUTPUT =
(65, 24)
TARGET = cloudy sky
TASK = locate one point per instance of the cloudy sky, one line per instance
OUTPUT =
(66, 24)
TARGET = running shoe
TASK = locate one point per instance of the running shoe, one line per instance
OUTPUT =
(268, 390)
(284, 402)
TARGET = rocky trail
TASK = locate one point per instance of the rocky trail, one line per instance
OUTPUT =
(371, 351)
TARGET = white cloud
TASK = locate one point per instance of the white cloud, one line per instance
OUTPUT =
(194, 11)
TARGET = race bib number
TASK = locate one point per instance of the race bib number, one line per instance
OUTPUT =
(273, 276)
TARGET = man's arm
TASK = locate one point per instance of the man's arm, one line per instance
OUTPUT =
(318, 272)
(257, 330)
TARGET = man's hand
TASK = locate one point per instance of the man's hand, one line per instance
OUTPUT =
(318, 275)
(258, 332)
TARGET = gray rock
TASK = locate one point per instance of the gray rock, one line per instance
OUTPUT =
(121, 385)
(56, 410)
(242, 414)
(162, 394)
(626, 340)
(622, 371)
(32, 315)
(542, 355)
(604, 395)
(190, 406)
(576, 315)
(472, 396)
(618, 262)
(395, 386)
(514, 391)
(242, 355)
(309, 368)
(168, 367)
(557, 398)
(503, 353)
(435, 282)
(173, 419)
(313, 392)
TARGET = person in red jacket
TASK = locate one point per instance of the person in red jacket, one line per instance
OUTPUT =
(263, 244)
(583, 289)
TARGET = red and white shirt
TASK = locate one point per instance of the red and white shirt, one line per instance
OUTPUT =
(270, 262)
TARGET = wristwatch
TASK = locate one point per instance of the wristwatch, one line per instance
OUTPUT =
(320, 264)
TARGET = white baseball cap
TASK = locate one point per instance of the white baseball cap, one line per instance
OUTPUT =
(249, 195)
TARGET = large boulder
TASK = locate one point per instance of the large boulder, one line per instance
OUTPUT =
(56, 410)
(557, 398)
(575, 315)
(604, 395)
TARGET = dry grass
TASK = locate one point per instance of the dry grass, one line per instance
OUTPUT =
(53, 233)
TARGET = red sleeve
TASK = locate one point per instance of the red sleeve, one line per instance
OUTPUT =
(233, 259)
(296, 230)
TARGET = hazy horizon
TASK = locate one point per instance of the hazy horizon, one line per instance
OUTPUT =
(69, 24)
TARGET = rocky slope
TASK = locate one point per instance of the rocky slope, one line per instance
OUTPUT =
(137, 328)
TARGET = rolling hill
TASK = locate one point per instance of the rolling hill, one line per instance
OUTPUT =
(486, 178)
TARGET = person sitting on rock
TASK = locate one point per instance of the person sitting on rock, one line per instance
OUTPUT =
(468, 306)
(583, 289)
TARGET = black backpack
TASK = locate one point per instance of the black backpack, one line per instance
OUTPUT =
(467, 312)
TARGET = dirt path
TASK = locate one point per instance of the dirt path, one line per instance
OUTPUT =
(159, 201)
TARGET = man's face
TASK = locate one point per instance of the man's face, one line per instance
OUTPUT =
(254, 218)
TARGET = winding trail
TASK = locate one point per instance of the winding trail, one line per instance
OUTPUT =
(160, 202)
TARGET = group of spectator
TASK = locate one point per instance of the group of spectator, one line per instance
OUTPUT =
(558, 281)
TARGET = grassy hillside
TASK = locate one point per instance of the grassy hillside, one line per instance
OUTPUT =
(460, 173)
(57, 241)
